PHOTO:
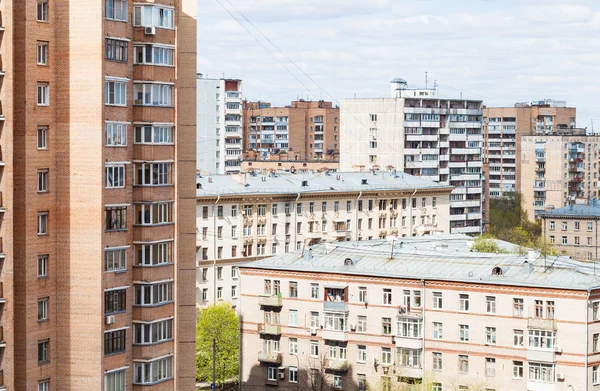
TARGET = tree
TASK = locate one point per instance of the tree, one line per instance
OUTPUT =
(485, 244)
(219, 323)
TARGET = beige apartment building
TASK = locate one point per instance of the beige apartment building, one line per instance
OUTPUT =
(243, 218)
(503, 128)
(573, 230)
(558, 170)
(389, 315)
(97, 258)
(304, 130)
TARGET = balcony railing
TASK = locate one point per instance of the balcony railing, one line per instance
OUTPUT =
(337, 364)
(270, 329)
(337, 306)
(270, 301)
(269, 357)
(541, 323)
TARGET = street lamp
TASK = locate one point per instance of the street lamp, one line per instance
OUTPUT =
(297, 371)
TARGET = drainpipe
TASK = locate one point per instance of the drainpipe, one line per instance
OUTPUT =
(295, 227)
(423, 301)
(215, 249)
(410, 224)
(587, 315)
(356, 218)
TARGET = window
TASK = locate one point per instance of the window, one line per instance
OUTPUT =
(114, 381)
(552, 225)
(541, 372)
(153, 294)
(43, 94)
(116, 50)
(294, 318)
(387, 296)
(148, 333)
(153, 214)
(154, 174)
(386, 326)
(314, 348)
(409, 328)
(114, 301)
(154, 54)
(463, 363)
(518, 338)
(517, 307)
(541, 339)
(564, 225)
(116, 10)
(590, 226)
(293, 374)
(564, 240)
(386, 356)
(490, 335)
(596, 310)
(437, 361)
(361, 326)
(115, 218)
(157, 135)
(517, 369)
(43, 354)
(115, 176)
(464, 302)
(595, 378)
(42, 180)
(362, 353)
(220, 273)
(234, 291)
(362, 294)
(115, 134)
(42, 309)
(437, 300)
(42, 10)
(115, 260)
(463, 333)
(595, 342)
(373, 117)
(115, 92)
(293, 289)
(157, 16)
(314, 319)
(550, 309)
(490, 304)
(204, 294)
(437, 330)
(335, 321)
(146, 94)
(362, 382)
(490, 367)
(42, 137)
(150, 372)
(42, 53)
(114, 342)
(314, 291)
(42, 223)
(42, 266)
(234, 272)
(157, 254)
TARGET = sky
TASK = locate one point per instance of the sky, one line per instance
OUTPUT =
(498, 51)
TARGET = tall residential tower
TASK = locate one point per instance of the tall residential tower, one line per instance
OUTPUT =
(97, 137)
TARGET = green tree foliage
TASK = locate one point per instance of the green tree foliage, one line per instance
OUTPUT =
(218, 322)
(485, 244)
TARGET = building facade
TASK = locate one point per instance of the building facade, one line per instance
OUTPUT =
(95, 179)
(245, 218)
(305, 130)
(422, 135)
(264, 167)
(219, 125)
(421, 314)
(503, 128)
(573, 230)
(558, 170)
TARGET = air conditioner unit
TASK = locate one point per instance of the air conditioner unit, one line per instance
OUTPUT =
(110, 319)
(282, 375)
(558, 349)
(151, 30)
(560, 376)
(313, 331)
(352, 327)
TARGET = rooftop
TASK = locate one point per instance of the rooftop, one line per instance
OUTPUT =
(311, 183)
(439, 257)
(591, 209)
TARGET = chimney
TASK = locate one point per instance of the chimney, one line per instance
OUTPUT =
(308, 255)
(527, 268)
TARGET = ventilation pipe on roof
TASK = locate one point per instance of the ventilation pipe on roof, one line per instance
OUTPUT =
(308, 255)
(527, 267)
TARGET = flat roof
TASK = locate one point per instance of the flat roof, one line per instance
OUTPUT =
(287, 183)
(439, 257)
(592, 209)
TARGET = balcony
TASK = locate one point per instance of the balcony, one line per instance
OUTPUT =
(335, 306)
(411, 372)
(335, 335)
(270, 301)
(541, 355)
(541, 323)
(269, 358)
(269, 329)
(337, 364)
(541, 386)
(409, 343)
(341, 234)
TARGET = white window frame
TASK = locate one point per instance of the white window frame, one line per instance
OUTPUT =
(153, 254)
(115, 380)
(115, 259)
(154, 294)
(156, 134)
(165, 54)
(293, 318)
(44, 385)
(116, 10)
(272, 373)
(42, 11)
(115, 134)
(42, 138)
(152, 371)
(42, 180)
(157, 173)
(142, 18)
(153, 94)
(114, 176)
(42, 314)
(43, 94)
(42, 52)
(42, 223)
(152, 333)
(115, 91)
(42, 266)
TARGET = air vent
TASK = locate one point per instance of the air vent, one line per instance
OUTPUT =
(304, 183)
(363, 182)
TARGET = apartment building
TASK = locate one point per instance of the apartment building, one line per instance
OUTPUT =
(558, 170)
(416, 132)
(304, 130)
(94, 175)
(219, 125)
(573, 229)
(246, 217)
(503, 128)
(425, 311)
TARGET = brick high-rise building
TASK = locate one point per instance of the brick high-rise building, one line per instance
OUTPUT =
(97, 134)
(305, 130)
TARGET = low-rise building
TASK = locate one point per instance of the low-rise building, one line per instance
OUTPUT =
(573, 230)
(281, 166)
(385, 314)
(246, 217)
